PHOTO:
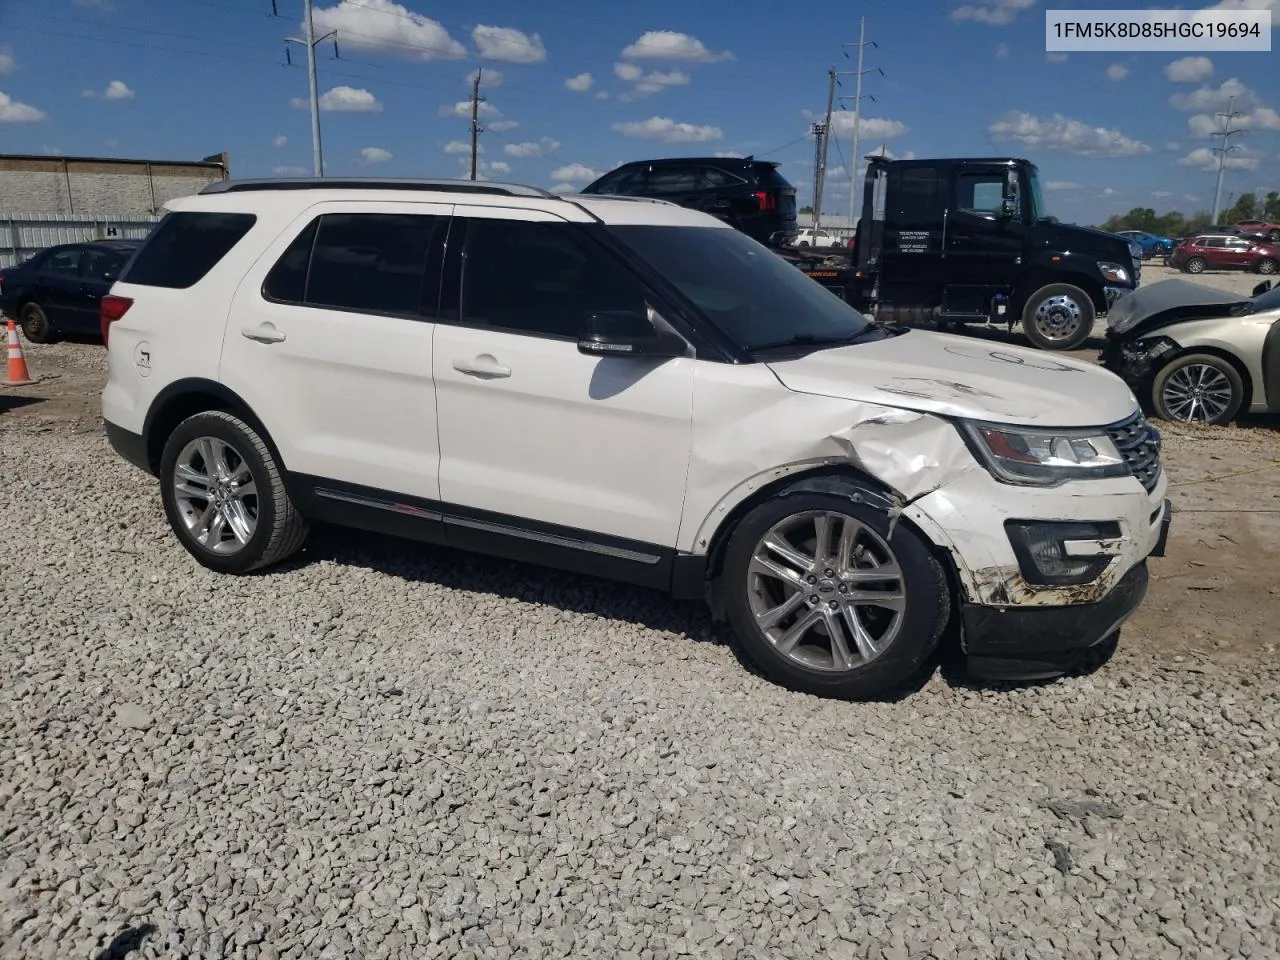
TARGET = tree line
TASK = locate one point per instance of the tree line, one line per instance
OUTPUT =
(1176, 224)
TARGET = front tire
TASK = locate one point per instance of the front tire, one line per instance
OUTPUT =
(224, 495)
(35, 324)
(823, 601)
(1198, 388)
(1058, 317)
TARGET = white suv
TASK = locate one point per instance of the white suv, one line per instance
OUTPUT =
(809, 237)
(628, 389)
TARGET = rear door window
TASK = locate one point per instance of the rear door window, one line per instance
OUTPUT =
(185, 246)
(672, 180)
(625, 181)
(102, 264)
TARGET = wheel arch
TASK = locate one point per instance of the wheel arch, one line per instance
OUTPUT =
(185, 398)
(837, 479)
(1040, 277)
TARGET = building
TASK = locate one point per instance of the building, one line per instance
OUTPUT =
(51, 186)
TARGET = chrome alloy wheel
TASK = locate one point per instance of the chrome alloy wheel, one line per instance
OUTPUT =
(1058, 317)
(216, 495)
(1197, 393)
(826, 591)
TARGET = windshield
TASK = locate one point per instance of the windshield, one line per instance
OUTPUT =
(751, 293)
(1038, 209)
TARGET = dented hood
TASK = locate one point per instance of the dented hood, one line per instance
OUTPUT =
(1169, 301)
(962, 377)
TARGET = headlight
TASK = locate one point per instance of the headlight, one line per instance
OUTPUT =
(1113, 272)
(1043, 458)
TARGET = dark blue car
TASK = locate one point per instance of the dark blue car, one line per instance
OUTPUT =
(1152, 245)
(58, 290)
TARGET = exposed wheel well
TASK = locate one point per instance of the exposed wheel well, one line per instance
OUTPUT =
(187, 400)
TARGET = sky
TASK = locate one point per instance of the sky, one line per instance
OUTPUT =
(572, 90)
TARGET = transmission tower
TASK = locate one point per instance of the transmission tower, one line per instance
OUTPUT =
(1226, 133)
(311, 41)
(475, 120)
(862, 44)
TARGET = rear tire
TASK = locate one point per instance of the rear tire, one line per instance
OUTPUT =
(35, 324)
(1058, 317)
(906, 597)
(218, 477)
(1195, 265)
(1267, 265)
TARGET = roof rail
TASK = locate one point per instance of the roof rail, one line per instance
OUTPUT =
(374, 183)
(610, 196)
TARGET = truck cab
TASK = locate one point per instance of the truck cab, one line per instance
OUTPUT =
(948, 242)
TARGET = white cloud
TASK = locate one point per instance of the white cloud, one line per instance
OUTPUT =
(343, 99)
(628, 71)
(1063, 135)
(1062, 185)
(499, 166)
(1207, 99)
(1272, 5)
(11, 111)
(1173, 146)
(647, 83)
(375, 155)
(575, 172)
(564, 188)
(1161, 194)
(602, 94)
(1260, 118)
(1109, 192)
(463, 109)
(1002, 51)
(116, 90)
(1190, 198)
(51, 151)
(727, 154)
(1189, 70)
(996, 12)
(531, 149)
(1117, 71)
(668, 131)
(488, 77)
(669, 45)
(581, 83)
(7, 63)
(290, 171)
(1057, 57)
(458, 147)
(508, 45)
(498, 126)
(1203, 158)
(386, 27)
(281, 141)
(869, 128)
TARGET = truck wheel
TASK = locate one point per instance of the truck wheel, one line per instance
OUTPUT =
(1058, 317)
(1198, 388)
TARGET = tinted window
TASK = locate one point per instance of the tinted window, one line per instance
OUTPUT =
(672, 180)
(102, 264)
(186, 246)
(981, 192)
(920, 195)
(369, 262)
(62, 262)
(538, 278)
(1240, 244)
(710, 178)
(751, 293)
(770, 177)
(1215, 242)
(622, 182)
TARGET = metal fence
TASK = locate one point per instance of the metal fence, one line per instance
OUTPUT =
(21, 235)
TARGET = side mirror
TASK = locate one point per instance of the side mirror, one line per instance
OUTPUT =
(624, 333)
(1009, 196)
(1008, 207)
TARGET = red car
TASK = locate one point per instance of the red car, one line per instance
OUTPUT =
(1221, 251)
(1261, 228)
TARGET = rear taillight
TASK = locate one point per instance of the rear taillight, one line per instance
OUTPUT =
(767, 201)
(111, 310)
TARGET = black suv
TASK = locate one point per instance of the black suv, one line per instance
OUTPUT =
(748, 194)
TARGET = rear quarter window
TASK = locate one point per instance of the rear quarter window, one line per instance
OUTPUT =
(185, 246)
(770, 177)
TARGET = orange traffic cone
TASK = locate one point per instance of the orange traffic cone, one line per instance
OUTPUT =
(18, 375)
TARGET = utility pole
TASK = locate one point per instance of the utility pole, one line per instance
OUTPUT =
(475, 120)
(819, 132)
(857, 116)
(1225, 133)
(310, 41)
(820, 180)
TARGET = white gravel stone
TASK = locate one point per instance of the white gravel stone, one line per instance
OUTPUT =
(384, 750)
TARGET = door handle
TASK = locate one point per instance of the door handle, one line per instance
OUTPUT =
(482, 366)
(263, 333)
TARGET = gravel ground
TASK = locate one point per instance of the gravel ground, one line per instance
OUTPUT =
(387, 751)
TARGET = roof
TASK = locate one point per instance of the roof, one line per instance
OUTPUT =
(922, 161)
(710, 160)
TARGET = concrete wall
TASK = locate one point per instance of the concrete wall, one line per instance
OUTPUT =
(118, 188)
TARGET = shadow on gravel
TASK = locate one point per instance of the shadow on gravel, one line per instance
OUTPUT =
(576, 593)
(12, 401)
(126, 942)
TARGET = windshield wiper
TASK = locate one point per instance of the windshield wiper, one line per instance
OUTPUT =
(813, 340)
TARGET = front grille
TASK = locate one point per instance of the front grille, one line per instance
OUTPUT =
(1139, 444)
